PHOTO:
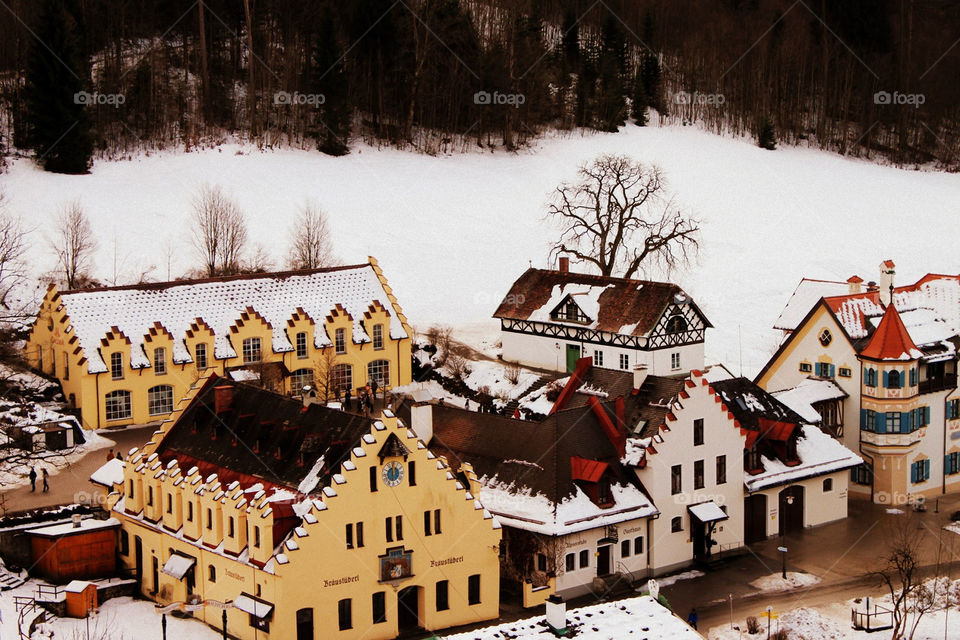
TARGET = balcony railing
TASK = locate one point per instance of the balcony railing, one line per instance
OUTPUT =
(948, 381)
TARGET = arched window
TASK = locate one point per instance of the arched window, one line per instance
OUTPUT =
(676, 324)
(160, 399)
(893, 380)
(118, 405)
(379, 370)
(870, 377)
(341, 378)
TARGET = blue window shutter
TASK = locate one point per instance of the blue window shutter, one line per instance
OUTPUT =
(863, 420)
(913, 473)
(880, 421)
(926, 469)
(884, 379)
(906, 422)
(833, 368)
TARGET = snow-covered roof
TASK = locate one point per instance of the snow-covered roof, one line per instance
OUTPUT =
(807, 293)
(254, 606)
(85, 525)
(219, 302)
(110, 474)
(819, 454)
(585, 296)
(522, 509)
(177, 566)
(810, 390)
(641, 617)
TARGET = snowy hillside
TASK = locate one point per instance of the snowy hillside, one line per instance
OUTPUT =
(452, 233)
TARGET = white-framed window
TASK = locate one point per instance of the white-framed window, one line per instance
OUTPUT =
(301, 378)
(379, 370)
(159, 361)
(302, 345)
(160, 399)
(118, 406)
(378, 336)
(675, 360)
(251, 350)
(597, 358)
(625, 361)
(340, 340)
(341, 377)
(116, 365)
(200, 355)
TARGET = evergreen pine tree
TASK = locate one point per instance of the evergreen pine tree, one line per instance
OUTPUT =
(611, 103)
(57, 127)
(571, 42)
(640, 101)
(329, 78)
(653, 82)
(766, 139)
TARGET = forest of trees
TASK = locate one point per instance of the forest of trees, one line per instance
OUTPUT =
(871, 78)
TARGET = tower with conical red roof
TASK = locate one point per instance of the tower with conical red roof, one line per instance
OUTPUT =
(892, 417)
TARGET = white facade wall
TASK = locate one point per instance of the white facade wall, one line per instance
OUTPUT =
(672, 550)
(578, 582)
(551, 353)
(819, 506)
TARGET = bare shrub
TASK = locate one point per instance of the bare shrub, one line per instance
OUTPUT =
(512, 373)
(753, 625)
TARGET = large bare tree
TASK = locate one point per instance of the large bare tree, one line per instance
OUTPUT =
(618, 217)
(12, 249)
(311, 246)
(74, 244)
(219, 231)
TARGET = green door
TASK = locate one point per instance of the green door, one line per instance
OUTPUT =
(573, 354)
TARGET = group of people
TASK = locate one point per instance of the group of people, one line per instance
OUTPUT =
(365, 397)
(33, 480)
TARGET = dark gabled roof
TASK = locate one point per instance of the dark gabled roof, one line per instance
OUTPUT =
(528, 455)
(749, 403)
(263, 435)
(624, 302)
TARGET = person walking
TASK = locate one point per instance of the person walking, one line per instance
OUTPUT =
(110, 455)
(33, 480)
(693, 617)
(46, 480)
(346, 399)
(373, 386)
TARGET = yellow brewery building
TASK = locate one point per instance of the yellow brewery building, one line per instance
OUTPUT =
(127, 355)
(310, 522)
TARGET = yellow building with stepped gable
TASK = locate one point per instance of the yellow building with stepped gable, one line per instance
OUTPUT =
(127, 355)
(314, 523)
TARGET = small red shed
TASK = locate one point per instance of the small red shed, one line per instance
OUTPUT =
(81, 598)
(80, 549)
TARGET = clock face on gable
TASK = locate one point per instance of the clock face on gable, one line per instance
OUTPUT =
(392, 473)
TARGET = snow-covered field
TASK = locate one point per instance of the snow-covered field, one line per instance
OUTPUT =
(453, 232)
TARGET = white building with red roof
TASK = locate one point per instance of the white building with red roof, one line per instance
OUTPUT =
(891, 353)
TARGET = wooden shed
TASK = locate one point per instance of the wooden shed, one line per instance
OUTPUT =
(77, 550)
(81, 598)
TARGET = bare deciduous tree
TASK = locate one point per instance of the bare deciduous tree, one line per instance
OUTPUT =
(74, 244)
(901, 572)
(311, 246)
(618, 216)
(12, 267)
(219, 231)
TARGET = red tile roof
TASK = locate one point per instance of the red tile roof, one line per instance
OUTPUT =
(776, 430)
(587, 470)
(890, 341)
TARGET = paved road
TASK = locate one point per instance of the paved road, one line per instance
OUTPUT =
(69, 483)
(841, 554)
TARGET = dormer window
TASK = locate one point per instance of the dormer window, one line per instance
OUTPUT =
(568, 311)
(753, 461)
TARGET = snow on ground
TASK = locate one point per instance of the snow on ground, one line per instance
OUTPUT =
(476, 219)
(833, 621)
(493, 376)
(641, 618)
(954, 527)
(666, 581)
(435, 390)
(776, 582)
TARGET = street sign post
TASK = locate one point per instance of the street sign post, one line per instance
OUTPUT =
(770, 615)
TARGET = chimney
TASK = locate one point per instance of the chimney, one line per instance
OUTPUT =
(421, 420)
(564, 264)
(855, 283)
(887, 271)
(76, 519)
(556, 613)
(639, 375)
(222, 398)
(308, 395)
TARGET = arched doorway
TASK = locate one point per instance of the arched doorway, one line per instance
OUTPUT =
(408, 609)
(755, 518)
(791, 510)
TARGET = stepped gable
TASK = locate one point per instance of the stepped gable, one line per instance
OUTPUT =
(274, 297)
